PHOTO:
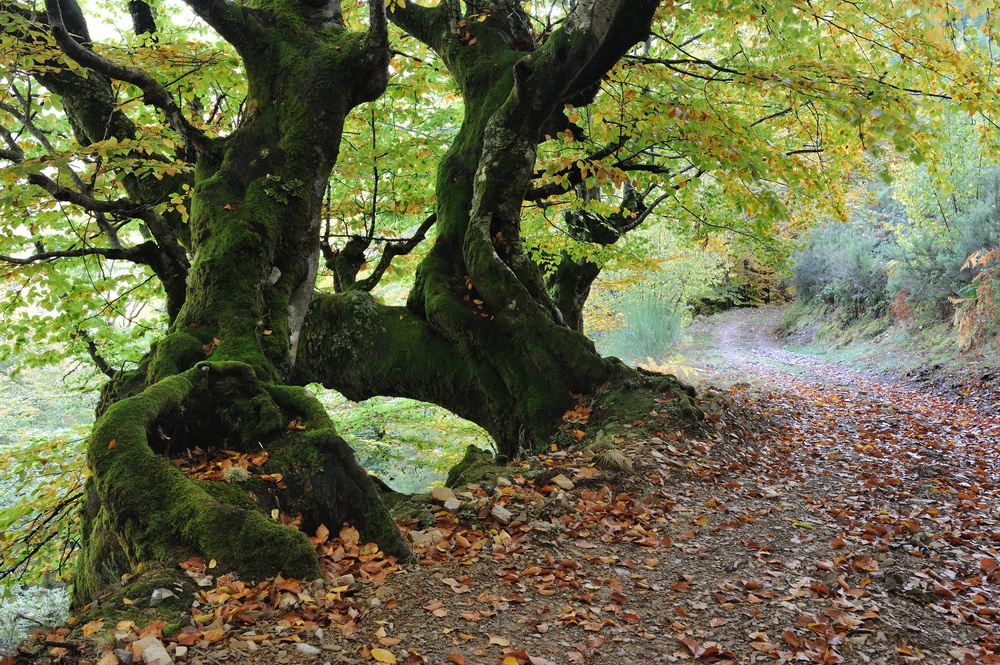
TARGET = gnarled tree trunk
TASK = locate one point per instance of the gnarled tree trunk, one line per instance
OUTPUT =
(216, 379)
(480, 333)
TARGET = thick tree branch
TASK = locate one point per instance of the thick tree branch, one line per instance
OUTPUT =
(131, 254)
(425, 24)
(226, 18)
(378, 26)
(154, 93)
(60, 193)
(629, 25)
(142, 18)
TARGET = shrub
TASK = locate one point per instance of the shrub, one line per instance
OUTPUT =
(653, 327)
(845, 266)
(931, 258)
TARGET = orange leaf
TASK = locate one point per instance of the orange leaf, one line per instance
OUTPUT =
(92, 627)
(114, 442)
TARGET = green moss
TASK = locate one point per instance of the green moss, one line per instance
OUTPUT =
(149, 508)
(231, 493)
(297, 402)
(174, 354)
(476, 467)
(381, 528)
(635, 399)
(139, 588)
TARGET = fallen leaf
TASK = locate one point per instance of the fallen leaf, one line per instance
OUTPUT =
(383, 656)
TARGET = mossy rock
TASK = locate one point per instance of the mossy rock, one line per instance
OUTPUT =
(634, 400)
(476, 467)
(139, 589)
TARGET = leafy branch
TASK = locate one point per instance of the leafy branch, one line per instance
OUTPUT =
(154, 93)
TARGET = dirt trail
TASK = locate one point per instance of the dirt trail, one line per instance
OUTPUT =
(822, 516)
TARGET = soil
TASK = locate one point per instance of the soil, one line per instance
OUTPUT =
(823, 515)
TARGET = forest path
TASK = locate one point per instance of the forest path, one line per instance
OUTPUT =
(821, 515)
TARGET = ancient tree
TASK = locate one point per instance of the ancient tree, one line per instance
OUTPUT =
(194, 172)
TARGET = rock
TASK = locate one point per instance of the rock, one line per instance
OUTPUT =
(180, 652)
(452, 504)
(562, 481)
(426, 537)
(344, 580)
(160, 595)
(307, 649)
(442, 494)
(153, 652)
(503, 482)
(124, 657)
(501, 514)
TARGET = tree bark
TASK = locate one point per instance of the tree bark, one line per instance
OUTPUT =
(480, 334)
(216, 379)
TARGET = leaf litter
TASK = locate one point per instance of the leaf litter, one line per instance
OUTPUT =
(822, 516)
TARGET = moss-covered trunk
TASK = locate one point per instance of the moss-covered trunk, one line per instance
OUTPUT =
(480, 334)
(216, 380)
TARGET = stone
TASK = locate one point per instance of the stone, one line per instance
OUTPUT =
(307, 649)
(452, 504)
(562, 481)
(160, 595)
(180, 652)
(344, 580)
(501, 514)
(153, 652)
(442, 494)
(426, 537)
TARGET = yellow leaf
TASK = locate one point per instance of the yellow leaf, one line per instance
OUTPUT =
(383, 656)
(212, 564)
(127, 601)
(510, 660)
